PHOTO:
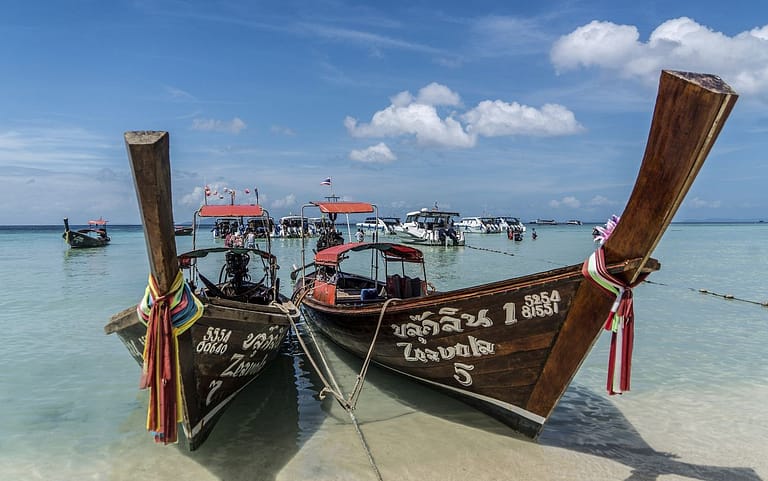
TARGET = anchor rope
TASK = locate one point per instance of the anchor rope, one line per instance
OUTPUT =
(348, 404)
(488, 250)
(729, 297)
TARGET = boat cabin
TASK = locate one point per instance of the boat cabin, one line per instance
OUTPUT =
(394, 271)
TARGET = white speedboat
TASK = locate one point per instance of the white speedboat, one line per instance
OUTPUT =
(385, 225)
(511, 224)
(431, 227)
(478, 225)
(292, 226)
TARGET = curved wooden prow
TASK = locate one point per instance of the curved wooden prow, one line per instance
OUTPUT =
(66, 224)
(148, 153)
(690, 111)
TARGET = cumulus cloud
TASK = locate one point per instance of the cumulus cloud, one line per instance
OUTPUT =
(569, 201)
(680, 43)
(497, 118)
(697, 203)
(600, 200)
(419, 117)
(287, 201)
(375, 154)
(233, 126)
(282, 130)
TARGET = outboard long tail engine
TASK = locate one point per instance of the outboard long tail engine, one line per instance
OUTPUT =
(237, 268)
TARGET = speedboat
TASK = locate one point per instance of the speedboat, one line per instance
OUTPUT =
(431, 227)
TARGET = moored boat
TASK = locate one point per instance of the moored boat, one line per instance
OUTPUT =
(431, 227)
(199, 340)
(182, 230)
(93, 236)
(511, 347)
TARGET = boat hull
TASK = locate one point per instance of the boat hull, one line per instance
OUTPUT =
(223, 352)
(487, 345)
(79, 240)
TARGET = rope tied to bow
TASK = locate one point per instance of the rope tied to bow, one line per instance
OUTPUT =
(166, 316)
(620, 321)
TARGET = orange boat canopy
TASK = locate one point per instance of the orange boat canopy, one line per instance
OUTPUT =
(97, 222)
(332, 256)
(253, 210)
(344, 207)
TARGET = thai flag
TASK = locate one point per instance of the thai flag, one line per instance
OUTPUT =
(327, 181)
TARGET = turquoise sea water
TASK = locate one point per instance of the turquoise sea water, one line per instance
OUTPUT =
(70, 408)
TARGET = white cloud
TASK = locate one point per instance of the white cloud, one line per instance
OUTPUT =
(569, 201)
(416, 119)
(287, 201)
(282, 130)
(436, 94)
(375, 154)
(680, 44)
(233, 126)
(600, 200)
(418, 116)
(497, 118)
(697, 203)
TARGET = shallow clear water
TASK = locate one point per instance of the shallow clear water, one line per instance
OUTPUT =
(71, 409)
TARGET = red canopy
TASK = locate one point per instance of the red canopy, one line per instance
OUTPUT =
(97, 222)
(344, 207)
(254, 210)
(333, 255)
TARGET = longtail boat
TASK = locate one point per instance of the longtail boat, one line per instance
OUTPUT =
(93, 236)
(199, 340)
(511, 348)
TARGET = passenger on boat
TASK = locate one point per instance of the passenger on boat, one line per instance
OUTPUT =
(360, 235)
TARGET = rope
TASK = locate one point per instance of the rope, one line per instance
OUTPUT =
(729, 297)
(166, 316)
(348, 404)
(488, 250)
(364, 370)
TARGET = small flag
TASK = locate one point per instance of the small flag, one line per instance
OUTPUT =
(327, 181)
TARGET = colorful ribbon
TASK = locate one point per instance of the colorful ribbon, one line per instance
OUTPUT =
(166, 316)
(620, 321)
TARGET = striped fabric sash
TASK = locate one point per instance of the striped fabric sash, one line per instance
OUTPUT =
(620, 321)
(166, 316)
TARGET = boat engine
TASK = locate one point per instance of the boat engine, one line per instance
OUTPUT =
(237, 269)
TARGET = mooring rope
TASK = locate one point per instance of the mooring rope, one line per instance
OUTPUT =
(488, 250)
(729, 297)
(348, 404)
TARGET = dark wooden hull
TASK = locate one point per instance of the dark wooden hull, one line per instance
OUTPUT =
(512, 347)
(183, 231)
(78, 240)
(487, 345)
(223, 352)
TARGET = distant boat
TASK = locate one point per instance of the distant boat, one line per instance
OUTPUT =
(385, 225)
(511, 347)
(573, 222)
(182, 230)
(478, 225)
(94, 236)
(431, 227)
(511, 224)
(543, 222)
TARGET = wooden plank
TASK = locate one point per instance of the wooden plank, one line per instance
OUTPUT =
(149, 156)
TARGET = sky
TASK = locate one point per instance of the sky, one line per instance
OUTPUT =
(528, 109)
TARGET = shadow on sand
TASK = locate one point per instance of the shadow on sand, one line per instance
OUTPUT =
(588, 423)
(583, 422)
